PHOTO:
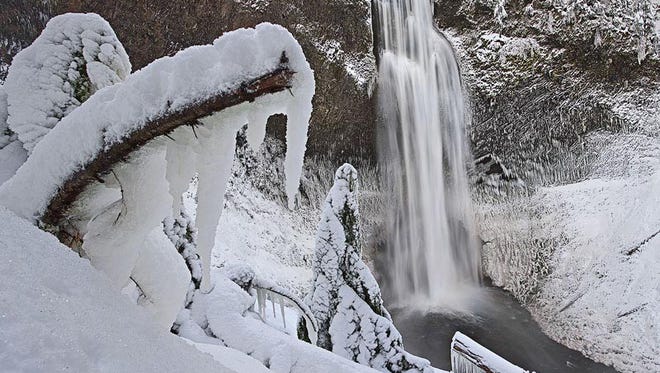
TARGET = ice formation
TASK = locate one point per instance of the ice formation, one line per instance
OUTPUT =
(345, 297)
(75, 56)
(118, 215)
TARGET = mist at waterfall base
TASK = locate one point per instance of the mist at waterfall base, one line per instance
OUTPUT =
(433, 254)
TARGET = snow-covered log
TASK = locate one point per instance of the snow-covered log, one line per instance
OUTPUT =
(467, 356)
(239, 67)
(106, 177)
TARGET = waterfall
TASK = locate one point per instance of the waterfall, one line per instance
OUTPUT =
(434, 254)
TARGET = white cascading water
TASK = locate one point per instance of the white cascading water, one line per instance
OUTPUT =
(435, 256)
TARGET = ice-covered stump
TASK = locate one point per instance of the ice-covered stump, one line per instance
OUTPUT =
(345, 297)
(75, 56)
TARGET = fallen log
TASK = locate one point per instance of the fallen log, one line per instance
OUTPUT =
(275, 81)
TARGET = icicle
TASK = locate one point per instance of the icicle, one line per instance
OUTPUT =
(281, 301)
(256, 131)
(261, 300)
(180, 168)
(272, 302)
(298, 114)
(215, 160)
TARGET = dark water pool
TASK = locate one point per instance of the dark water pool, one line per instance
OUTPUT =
(499, 323)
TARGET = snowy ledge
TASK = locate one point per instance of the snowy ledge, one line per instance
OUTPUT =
(169, 93)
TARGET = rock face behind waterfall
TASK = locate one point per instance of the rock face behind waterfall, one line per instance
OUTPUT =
(345, 298)
(335, 36)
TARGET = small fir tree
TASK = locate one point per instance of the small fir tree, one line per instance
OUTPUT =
(345, 298)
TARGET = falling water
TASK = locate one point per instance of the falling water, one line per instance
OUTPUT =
(424, 152)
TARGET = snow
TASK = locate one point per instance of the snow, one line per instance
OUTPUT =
(58, 313)
(465, 363)
(226, 309)
(75, 56)
(165, 289)
(232, 358)
(166, 85)
(12, 154)
(147, 188)
(114, 237)
(603, 294)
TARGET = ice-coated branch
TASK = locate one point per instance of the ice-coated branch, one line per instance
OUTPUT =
(260, 69)
(279, 79)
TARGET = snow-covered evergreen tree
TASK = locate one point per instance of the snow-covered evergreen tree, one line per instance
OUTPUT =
(75, 56)
(345, 298)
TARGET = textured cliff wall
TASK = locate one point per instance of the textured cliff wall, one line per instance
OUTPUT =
(336, 37)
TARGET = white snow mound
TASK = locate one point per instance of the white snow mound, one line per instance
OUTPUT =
(58, 313)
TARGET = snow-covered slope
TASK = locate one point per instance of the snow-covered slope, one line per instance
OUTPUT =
(603, 294)
(58, 313)
(585, 255)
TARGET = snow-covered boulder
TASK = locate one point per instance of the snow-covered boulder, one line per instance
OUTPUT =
(75, 56)
(345, 297)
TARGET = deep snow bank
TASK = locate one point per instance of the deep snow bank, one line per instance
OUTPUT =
(58, 313)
